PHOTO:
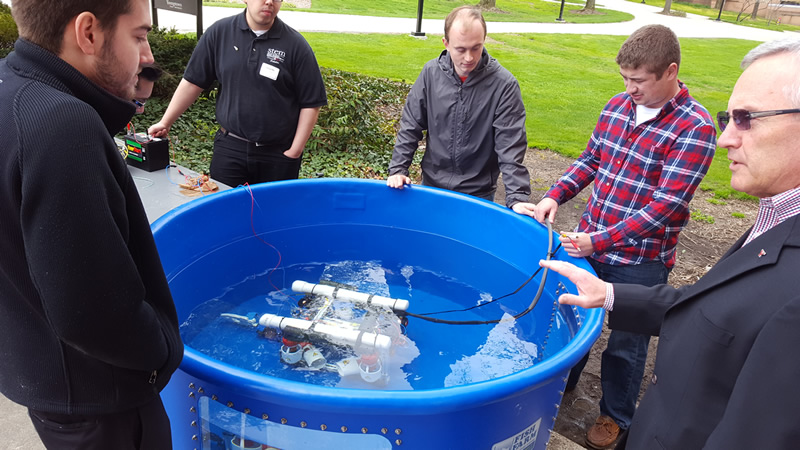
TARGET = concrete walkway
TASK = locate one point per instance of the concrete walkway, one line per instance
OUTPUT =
(693, 26)
(17, 431)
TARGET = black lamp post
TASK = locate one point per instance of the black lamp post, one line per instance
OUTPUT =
(721, 4)
(561, 13)
(199, 18)
(419, 20)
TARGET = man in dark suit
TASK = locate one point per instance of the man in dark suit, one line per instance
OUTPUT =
(724, 376)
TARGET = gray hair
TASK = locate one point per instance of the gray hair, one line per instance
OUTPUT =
(790, 46)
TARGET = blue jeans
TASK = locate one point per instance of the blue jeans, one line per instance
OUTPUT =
(623, 361)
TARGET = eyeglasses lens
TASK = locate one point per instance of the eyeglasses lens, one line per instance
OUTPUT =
(741, 118)
(722, 120)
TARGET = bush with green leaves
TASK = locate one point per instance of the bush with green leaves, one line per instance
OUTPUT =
(8, 30)
(352, 138)
(355, 132)
(172, 51)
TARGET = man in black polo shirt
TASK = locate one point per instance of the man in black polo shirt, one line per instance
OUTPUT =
(270, 94)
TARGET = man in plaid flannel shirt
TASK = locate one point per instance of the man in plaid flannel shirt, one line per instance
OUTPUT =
(650, 149)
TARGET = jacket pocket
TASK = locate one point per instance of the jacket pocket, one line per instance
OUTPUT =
(712, 331)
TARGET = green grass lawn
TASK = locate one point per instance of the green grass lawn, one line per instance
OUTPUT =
(727, 16)
(509, 10)
(565, 79)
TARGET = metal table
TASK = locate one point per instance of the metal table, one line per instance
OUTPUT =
(160, 192)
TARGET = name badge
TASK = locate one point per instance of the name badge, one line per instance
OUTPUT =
(268, 71)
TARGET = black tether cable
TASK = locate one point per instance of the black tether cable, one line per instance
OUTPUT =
(530, 307)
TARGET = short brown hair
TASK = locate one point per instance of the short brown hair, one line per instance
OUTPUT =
(472, 12)
(652, 47)
(43, 22)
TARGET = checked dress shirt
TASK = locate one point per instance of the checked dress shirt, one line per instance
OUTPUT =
(645, 176)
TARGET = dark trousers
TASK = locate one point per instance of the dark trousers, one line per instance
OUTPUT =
(623, 361)
(143, 428)
(236, 162)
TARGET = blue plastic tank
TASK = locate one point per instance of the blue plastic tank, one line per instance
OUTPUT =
(217, 241)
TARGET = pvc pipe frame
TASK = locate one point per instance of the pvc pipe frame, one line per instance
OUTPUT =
(357, 339)
(359, 298)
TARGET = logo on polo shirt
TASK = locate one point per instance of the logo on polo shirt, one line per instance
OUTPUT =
(276, 56)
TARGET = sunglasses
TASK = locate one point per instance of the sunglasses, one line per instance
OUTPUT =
(742, 117)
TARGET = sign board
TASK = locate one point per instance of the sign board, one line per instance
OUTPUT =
(193, 7)
(182, 6)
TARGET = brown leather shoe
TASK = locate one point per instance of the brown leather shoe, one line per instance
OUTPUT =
(603, 433)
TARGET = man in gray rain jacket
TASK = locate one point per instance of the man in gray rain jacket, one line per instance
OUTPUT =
(472, 109)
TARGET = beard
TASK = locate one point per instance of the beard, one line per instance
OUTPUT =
(111, 74)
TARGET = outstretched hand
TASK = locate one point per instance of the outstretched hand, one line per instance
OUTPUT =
(158, 130)
(591, 290)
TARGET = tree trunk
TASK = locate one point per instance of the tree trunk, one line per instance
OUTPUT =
(487, 4)
(667, 7)
(590, 7)
(755, 11)
(745, 4)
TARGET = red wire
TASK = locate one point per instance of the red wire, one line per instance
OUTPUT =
(253, 228)
(132, 132)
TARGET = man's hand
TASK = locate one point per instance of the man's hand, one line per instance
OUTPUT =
(397, 181)
(524, 208)
(158, 130)
(546, 209)
(292, 153)
(591, 290)
(577, 245)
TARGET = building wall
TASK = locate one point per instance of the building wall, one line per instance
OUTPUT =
(788, 14)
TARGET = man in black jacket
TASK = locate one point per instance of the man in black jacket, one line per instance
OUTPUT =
(88, 330)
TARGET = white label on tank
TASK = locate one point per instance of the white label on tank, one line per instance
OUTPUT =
(524, 440)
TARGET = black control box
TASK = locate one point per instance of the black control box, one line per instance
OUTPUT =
(145, 152)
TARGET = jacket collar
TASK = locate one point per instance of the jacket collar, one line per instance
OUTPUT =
(761, 251)
(486, 66)
(677, 100)
(30, 61)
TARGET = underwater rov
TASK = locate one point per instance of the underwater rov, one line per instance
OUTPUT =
(369, 333)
